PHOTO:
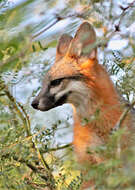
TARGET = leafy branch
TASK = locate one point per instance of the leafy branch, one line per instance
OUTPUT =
(23, 115)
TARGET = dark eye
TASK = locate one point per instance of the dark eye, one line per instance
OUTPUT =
(56, 82)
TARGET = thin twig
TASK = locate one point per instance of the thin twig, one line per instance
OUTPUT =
(118, 126)
(31, 166)
(26, 117)
(58, 18)
(122, 117)
(101, 42)
(124, 9)
(12, 99)
(51, 180)
(57, 148)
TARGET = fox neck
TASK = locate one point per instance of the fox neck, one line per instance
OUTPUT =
(100, 108)
(94, 119)
(97, 115)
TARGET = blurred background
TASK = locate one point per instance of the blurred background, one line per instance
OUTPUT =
(35, 147)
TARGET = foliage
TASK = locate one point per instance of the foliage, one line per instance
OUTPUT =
(30, 157)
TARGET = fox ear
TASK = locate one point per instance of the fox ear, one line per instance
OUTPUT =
(82, 43)
(63, 45)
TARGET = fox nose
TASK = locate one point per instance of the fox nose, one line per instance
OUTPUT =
(35, 104)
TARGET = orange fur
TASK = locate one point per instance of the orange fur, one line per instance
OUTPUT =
(75, 57)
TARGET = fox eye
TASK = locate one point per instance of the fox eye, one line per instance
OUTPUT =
(56, 82)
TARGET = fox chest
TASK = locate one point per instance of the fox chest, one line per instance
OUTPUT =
(85, 141)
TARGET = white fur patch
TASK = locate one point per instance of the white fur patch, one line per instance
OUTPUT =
(79, 97)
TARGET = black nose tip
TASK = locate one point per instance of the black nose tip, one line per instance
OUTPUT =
(35, 104)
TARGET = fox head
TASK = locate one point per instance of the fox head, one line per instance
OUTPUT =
(66, 81)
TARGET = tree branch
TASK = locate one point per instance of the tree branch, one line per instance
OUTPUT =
(122, 117)
(23, 115)
(57, 148)
(124, 9)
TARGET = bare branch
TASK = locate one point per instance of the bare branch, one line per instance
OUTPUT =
(57, 148)
(124, 9)
(122, 117)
